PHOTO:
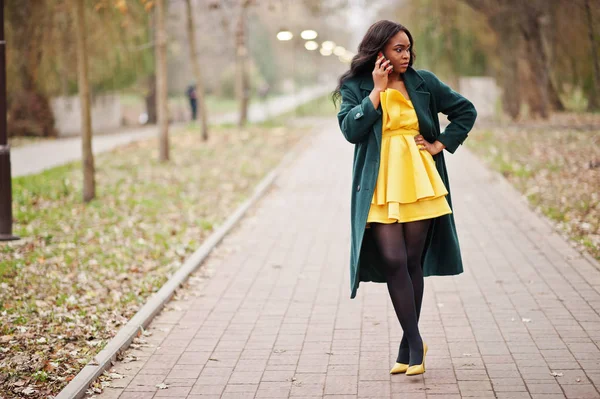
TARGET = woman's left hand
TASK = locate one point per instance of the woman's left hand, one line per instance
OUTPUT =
(432, 148)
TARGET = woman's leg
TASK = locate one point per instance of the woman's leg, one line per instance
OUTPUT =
(415, 234)
(390, 241)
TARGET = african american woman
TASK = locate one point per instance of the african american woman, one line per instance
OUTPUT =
(401, 213)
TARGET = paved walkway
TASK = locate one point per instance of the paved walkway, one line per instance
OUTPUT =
(38, 157)
(269, 314)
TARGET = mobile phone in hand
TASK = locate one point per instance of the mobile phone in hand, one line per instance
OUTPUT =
(384, 60)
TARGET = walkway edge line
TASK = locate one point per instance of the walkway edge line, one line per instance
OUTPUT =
(78, 386)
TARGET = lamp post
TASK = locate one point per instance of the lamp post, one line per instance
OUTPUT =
(308, 35)
(5, 175)
(326, 49)
(285, 35)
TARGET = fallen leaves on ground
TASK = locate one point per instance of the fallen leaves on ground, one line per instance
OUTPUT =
(556, 165)
(80, 272)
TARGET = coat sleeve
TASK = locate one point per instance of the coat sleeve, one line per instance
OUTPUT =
(460, 111)
(356, 117)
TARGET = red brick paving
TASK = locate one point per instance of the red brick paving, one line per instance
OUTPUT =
(269, 314)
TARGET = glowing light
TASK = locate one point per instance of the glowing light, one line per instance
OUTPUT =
(284, 35)
(308, 34)
(325, 52)
(339, 51)
(328, 45)
(311, 45)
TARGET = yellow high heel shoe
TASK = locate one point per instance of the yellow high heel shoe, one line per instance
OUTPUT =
(399, 368)
(418, 368)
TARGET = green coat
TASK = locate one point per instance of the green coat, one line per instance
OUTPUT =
(361, 125)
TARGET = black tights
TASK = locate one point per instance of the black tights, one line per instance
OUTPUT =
(401, 246)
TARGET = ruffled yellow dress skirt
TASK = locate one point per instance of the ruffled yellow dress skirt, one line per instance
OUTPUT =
(408, 186)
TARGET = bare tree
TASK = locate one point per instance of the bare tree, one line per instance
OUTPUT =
(89, 183)
(527, 18)
(531, 29)
(594, 104)
(161, 80)
(241, 55)
(191, 28)
(28, 107)
(150, 94)
(550, 36)
(506, 28)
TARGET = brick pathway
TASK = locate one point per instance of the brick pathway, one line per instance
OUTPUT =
(269, 314)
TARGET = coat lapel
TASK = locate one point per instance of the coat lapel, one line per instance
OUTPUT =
(420, 99)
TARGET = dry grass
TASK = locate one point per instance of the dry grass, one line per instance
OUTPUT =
(556, 165)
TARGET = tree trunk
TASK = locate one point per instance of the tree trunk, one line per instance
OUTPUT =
(150, 97)
(594, 103)
(508, 49)
(552, 35)
(29, 111)
(511, 93)
(537, 61)
(196, 68)
(241, 74)
(89, 184)
(161, 80)
(63, 44)
(527, 19)
(554, 100)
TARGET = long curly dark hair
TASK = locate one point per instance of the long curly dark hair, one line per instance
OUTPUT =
(374, 41)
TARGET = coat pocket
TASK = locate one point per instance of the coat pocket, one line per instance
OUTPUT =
(368, 177)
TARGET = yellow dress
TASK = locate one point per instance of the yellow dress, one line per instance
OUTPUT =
(408, 186)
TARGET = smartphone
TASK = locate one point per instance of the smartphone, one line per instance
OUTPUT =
(384, 60)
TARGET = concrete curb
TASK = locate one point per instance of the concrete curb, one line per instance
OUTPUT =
(103, 361)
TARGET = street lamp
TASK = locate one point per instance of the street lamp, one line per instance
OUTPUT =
(339, 51)
(308, 34)
(5, 175)
(284, 35)
(328, 45)
(326, 52)
(311, 45)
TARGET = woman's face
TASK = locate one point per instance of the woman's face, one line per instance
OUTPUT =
(397, 50)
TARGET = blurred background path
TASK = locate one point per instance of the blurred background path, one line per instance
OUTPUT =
(34, 158)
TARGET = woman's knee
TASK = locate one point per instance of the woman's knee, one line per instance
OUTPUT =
(413, 262)
(394, 261)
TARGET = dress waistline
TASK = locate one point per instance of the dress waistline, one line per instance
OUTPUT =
(399, 132)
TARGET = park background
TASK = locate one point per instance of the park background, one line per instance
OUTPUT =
(99, 236)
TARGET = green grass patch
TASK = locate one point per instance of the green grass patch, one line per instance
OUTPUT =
(82, 270)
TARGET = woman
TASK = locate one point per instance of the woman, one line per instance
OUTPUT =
(401, 212)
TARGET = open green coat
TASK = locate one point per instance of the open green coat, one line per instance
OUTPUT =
(361, 125)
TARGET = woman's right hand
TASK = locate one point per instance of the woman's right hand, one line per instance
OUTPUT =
(380, 78)
(381, 72)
